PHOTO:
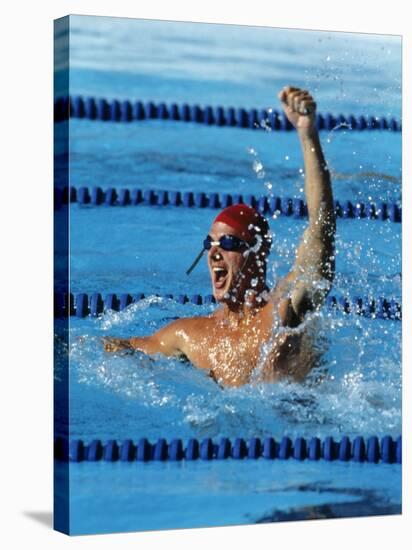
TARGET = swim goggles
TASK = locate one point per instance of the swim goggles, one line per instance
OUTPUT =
(230, 243)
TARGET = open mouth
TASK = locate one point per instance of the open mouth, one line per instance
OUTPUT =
(219, 277)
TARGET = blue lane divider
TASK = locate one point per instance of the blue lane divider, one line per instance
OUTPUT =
(371, 449)
(82, 305)
(295, 208)
(127, 111)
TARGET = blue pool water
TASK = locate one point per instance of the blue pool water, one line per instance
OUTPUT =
(357, 388)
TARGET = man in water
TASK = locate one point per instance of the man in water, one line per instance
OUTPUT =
(256, 326)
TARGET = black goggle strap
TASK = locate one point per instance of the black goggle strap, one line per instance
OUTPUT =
(194, 264)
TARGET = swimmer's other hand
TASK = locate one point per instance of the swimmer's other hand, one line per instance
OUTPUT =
(111, 344)
(299, 107)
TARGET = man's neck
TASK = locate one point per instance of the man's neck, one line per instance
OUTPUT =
(237, 312)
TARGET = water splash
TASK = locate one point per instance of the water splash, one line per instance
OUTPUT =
(356, 387)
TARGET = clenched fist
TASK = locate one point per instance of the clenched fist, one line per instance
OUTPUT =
(299, 107)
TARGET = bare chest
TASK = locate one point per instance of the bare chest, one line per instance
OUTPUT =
(230, 353)
(233, 354)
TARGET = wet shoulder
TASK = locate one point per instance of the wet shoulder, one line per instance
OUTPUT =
(191, 326)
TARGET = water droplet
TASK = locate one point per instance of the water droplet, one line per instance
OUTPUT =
(257, 166)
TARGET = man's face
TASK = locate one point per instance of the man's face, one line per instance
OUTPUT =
(231, 272)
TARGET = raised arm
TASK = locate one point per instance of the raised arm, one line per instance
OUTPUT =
(312, 274)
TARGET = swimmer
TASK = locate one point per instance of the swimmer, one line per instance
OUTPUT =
(257, 326)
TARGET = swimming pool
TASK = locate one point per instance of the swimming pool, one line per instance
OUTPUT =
(357, 389)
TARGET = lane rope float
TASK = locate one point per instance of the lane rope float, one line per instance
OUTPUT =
(82, 305)
(361, 449)
(295, 208)
(115, 110)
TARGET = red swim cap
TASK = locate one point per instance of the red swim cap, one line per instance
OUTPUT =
(245, 219)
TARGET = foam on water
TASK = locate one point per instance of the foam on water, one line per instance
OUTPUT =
(355, 389)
